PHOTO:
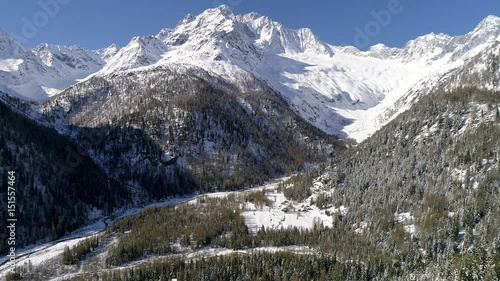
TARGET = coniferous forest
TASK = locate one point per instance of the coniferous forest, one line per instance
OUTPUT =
(417, 201)
(435, 220)
(230, 147)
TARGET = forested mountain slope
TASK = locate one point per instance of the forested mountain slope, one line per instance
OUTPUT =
(419, 200)
(53, 195)
(427, 185)
(339, 89)
(176, 130)
(127, 139)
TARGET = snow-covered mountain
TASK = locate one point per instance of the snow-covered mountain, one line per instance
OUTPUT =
(341, 90)
(45, 70)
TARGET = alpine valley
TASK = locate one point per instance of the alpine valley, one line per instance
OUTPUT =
(233, 148)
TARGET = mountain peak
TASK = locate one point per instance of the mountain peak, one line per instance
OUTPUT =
(9, 47)
(107, 53)
(221, 10)
(187, 19)
(114, 46)
(5, 36)
(224, 9)
(434, 36)
(251, 16)
(111, 48)
(215, 19)
(3, 33)
(491, 20)
(489, 24)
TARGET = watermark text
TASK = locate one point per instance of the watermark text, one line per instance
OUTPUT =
(11, 219)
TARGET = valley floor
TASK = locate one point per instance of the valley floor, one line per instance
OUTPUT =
(279, 213)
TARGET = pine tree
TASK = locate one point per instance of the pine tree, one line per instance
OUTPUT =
(67, 257)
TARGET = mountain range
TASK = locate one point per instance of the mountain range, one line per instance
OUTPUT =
(364, 165)
(339, 89)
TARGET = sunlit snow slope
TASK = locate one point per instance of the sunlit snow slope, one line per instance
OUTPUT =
(45, 70)
(341, 90)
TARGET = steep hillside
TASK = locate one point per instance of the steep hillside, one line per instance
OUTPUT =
(206, 134)
(426, 186)
(419, 200)
(483, 69)
(46, 70)
(57, 189)
(340, 90)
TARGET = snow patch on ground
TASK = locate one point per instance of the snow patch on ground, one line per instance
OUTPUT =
(406, 220)
(284, 214)
(51, 91)
(41, 256)
(410, 229)
(362, 226)
(9, 65)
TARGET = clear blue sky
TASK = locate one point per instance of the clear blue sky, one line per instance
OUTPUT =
(99, 23)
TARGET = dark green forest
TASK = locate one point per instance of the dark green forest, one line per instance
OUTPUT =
(438, 163)
(421, 199)
(52, 197)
